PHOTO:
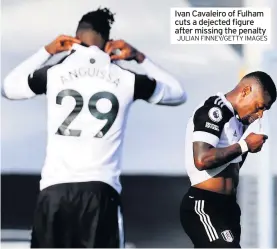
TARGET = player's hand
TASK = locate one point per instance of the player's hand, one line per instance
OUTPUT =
(60, 44)
(255, 142)
(127, 52)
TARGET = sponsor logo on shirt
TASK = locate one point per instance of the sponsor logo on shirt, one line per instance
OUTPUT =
(212, 126)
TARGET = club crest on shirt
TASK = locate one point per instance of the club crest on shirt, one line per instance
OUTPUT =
(215, 114)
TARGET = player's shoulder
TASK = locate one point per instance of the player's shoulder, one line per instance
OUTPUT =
(124, 73)
(117, 66)
(214, 109)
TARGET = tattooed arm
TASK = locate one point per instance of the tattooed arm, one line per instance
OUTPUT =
(208, 157)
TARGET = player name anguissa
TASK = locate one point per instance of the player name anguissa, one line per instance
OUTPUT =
(82, 72)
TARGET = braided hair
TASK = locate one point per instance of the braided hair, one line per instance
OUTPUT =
(99, 20)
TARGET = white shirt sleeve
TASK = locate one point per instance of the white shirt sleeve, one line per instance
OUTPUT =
(15, 84)
(168, 89)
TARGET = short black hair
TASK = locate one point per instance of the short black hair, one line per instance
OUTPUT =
(266, 82)
(99, 20)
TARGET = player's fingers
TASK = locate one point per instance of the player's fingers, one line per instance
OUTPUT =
(258, 149)
(71, 40)
(118, 44)
(117, 57)
(66, 43)
(74, 40)
(64, 38)
(108, 43)
(108, 47)
(67, 47)
(113, 45)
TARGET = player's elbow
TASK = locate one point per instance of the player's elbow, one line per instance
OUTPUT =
(5, 88)
(14, 88)
(179, 94)
(173, 96)
(3, 93)
(182, 97)
(199, 164)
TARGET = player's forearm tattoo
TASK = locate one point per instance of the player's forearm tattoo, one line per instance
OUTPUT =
(208, 157)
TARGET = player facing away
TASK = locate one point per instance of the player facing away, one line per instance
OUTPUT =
(214, 154)
(89, 98)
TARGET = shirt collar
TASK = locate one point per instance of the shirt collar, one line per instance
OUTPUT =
(226, 102)
(77, 46)
(105, 58)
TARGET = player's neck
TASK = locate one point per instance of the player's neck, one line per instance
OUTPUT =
(90, 38)
(232, 98)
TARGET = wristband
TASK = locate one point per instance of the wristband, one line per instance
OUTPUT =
(243, 146)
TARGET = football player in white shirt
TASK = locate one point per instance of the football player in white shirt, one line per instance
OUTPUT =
(89, 98)
(214, 154)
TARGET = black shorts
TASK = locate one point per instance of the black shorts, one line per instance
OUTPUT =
(85, 214)
(211, 219)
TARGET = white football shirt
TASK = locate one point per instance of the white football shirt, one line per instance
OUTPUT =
(88, 103)
(88, 99)
(213, 122)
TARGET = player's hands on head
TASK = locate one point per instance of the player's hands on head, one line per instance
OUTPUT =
(127, 52)
(61, 43)
(255, 142)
